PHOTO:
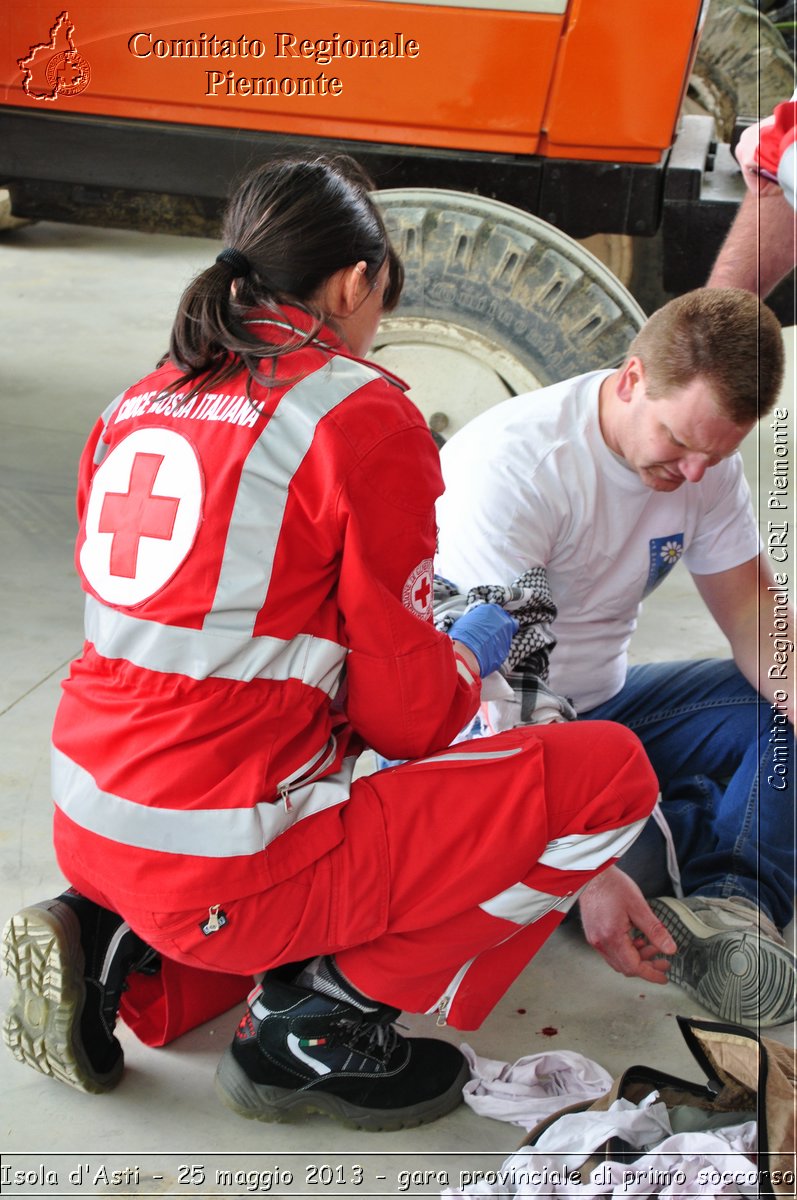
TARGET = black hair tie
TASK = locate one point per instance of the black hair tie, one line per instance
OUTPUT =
(237, 262)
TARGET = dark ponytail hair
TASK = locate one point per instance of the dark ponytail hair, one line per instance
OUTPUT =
(296, 222)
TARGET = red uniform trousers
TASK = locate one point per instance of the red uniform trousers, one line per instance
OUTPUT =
(452, 873)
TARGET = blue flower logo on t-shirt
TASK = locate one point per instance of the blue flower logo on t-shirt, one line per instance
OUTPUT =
(664, 554)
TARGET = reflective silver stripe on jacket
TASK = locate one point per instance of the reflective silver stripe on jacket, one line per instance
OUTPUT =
(522, 904)
(201, 833)
(587, 851)
(259, 508)
(200, 653)
(485, 755)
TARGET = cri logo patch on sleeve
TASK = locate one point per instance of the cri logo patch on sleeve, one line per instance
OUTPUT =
(419, 589)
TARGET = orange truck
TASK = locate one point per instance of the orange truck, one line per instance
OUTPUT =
(523, 116)
(565, 108)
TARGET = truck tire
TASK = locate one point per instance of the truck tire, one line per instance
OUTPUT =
(7, 219)
(747, 48)
(712, 91)
(495, 302)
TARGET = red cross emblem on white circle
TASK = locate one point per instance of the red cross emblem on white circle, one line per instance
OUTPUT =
(142, 516)
(418, 592)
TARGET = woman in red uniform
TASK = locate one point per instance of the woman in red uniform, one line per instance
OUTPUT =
(256, 542)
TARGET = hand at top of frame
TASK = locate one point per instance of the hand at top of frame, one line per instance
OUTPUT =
(746, 154)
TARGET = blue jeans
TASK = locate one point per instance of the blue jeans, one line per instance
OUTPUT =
(725, 762)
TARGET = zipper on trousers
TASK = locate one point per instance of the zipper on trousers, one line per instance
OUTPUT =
(443, 1005)
(216, 920)
(441, 1008)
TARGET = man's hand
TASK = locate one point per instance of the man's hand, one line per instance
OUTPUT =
(620, 925)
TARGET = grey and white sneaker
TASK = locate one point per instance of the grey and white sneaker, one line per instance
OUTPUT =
(731, 958)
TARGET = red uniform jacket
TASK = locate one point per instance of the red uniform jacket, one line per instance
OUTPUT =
(258, 582)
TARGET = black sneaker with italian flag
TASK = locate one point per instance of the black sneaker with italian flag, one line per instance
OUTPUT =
(298, 1051)
(69, 960)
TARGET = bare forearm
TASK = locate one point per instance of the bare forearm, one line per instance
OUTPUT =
(751, 606)
(763, 647)
(755, 663)
(759, 250)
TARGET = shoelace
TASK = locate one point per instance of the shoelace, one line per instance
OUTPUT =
(379, 1041)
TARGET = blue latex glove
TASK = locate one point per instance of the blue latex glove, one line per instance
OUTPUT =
(487, 630)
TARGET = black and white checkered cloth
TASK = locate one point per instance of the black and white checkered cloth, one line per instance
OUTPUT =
(529, 601)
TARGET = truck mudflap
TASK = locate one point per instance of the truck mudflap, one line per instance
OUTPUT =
(702, 190)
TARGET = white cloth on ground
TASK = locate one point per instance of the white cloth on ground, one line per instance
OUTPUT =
(705, 1163)
(534, 1087)
(715, 1163)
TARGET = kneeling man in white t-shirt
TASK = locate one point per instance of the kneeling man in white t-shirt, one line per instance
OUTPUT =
(607, 481)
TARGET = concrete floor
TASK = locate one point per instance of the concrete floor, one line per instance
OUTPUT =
(85, 312)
